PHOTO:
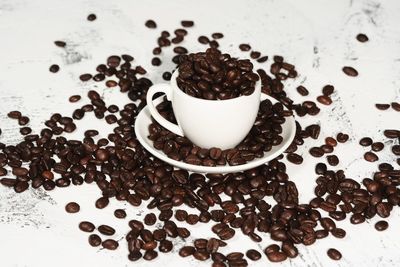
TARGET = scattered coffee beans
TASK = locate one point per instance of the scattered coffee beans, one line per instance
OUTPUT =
(334, 254)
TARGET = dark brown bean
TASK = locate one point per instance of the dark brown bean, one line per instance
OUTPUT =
(302, 90)
(94, 240)
(151, 24)
(110, 244)
(106, 230)
(91, 17)
(54, 68)
(350, 71)
(72, 207)
(370, 156)
(102, 202)
(245, 47)
(381, 225)
(382, 106)
(86, 226)
(361, 37)
(120, 213)
(334, 254)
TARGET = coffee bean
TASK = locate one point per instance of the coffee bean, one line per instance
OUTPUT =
(150, 219)
(60, 43)
(186, 251)
(165, 246)
(392, 133)
(201, 255)
(167, 75)
(302, 90)
(244, 47)
(94, 240)
(110, 244)
(326, 100)
(120, 213)
(333, 160)
(262, 59)
(14, 114)
(334, 254)
(350, 71)
(151, 24)
(362, 37)
(338, 233)
(156, 61)
(91, 17)
(276, 256)
(203, 40)
(366, 141)
(86, 226)
(327, 90)
(370, 156)
(102, 202)
(316, 152)
(381, 225)
(357, 218)
(342, 138)
(187, 23)
(74, 98)
(395, 106)
(85, 77)
(54, 68)
(294, 158)
(106, 230)
(382, 106)
(72, 207)
(253, 255)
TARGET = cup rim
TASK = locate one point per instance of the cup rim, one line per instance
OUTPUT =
(175, 86)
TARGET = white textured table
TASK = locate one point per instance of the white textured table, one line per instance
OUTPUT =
(317, 36)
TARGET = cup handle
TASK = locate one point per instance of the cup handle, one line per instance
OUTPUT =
(161, 88)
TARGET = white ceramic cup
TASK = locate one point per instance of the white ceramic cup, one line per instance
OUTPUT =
(207, 123)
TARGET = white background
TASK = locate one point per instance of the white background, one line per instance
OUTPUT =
(317, 36)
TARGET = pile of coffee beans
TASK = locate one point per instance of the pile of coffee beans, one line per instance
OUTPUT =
(262, 137)
(231, 204)
(212, 75)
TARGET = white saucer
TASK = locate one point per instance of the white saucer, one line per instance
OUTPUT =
(143, 121)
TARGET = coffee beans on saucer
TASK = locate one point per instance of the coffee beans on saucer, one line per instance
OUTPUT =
(213, 75)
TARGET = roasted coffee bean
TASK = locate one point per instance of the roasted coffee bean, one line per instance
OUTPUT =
(338, 233)
(74, 98)
(85, 77)
(203, 40)
(276, 256)
(382, 106)
(120, 213)
(327, 90)
(366, 141)
(23, 120)
(350, 71)
(60, 43)
(395, 106)
(316, 152)
(217, 35)
(187, 23)
(151, 24)
(14, 114)
(94, 240)
(106, 230)
(167, 75)
(110, 244)
(342, 138)
(323, 99)
(334, 254)
(370, 156)
(262, 59)
(156, 61)
(253, 255)
(186, 251)
(333, 160)
(381, 225)
(165, 246)
(87, 226)
(357, 218)
(72, 207)
(302, 90)
(244, 47)
(361, 37)
(102, 202)
(54, 68)
(201, 255)
(294, 158)
(150, 219)
(91, 17)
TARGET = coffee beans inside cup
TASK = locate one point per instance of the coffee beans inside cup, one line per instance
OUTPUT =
(213, 75)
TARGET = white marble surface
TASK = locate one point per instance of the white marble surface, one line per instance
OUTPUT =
(317, 36)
